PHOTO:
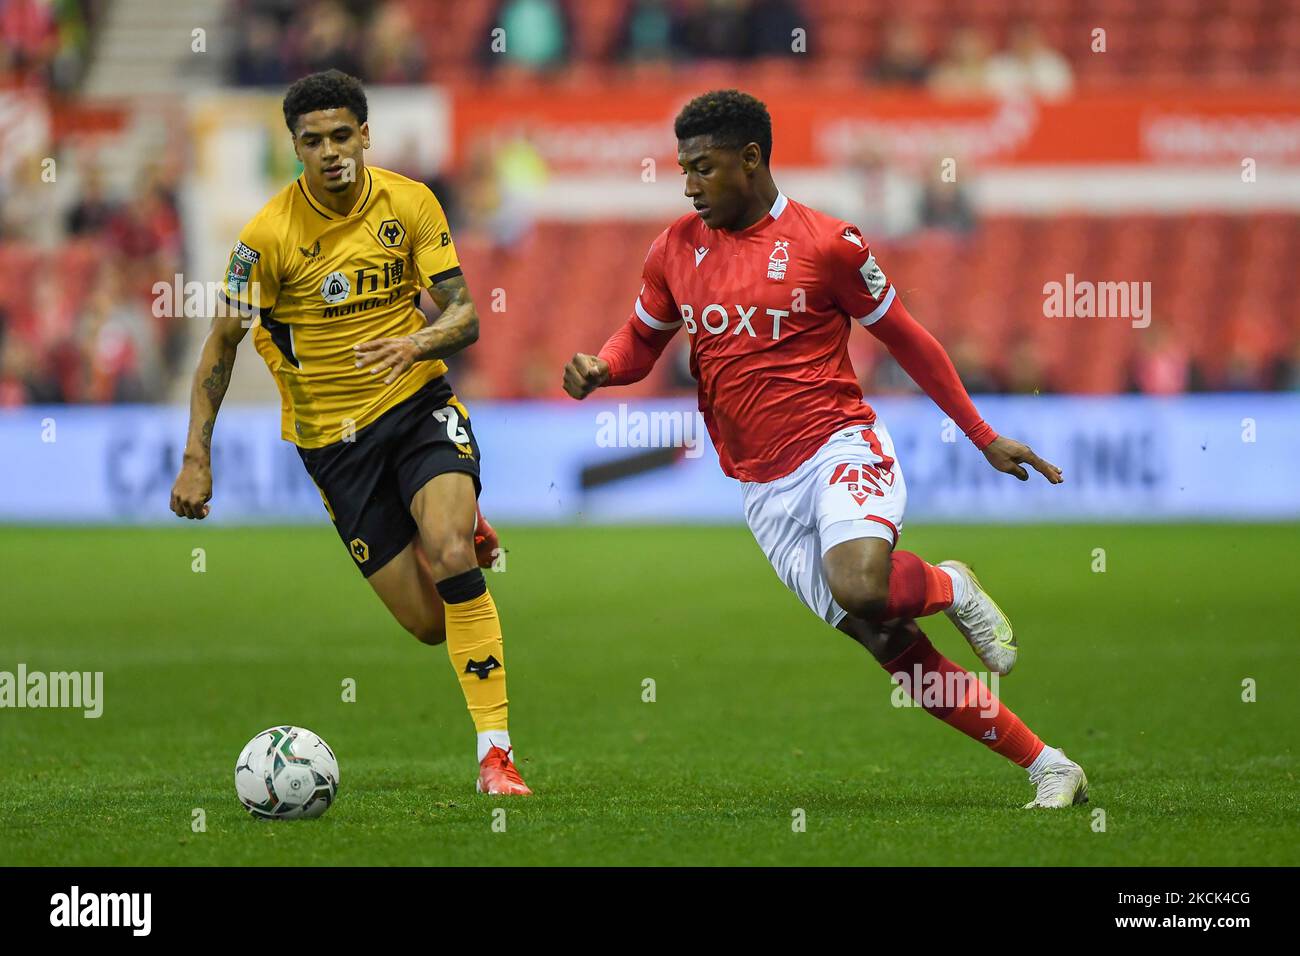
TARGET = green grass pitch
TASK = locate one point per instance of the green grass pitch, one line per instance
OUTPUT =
(760, 709)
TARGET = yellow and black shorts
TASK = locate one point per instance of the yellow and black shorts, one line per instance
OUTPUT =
(367, 484)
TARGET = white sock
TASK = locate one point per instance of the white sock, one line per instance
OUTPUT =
(959, 590)
(1047, 757)
(493, 738)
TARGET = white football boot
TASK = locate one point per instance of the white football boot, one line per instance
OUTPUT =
(1060, 784)
(982, 623)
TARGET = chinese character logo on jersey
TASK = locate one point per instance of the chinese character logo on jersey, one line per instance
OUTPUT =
(779, 260)
(335, 288)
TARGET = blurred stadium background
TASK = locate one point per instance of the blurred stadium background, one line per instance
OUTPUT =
(136, 138)
(1116, 140)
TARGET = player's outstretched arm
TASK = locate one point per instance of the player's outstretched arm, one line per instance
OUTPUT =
(925, 360)
(193, 485)
(454, 329)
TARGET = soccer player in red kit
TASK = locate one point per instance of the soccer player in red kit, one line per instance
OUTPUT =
(768, 291)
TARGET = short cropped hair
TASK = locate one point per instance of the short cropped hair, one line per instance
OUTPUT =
(732, 118)
(332, 89)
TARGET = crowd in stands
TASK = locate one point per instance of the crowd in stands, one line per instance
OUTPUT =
(1046, 47)
(980, 291)
(79, 326)
(77, 317)
(45, 43)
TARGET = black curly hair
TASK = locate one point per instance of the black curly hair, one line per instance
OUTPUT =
(732, 118)
(331, 89)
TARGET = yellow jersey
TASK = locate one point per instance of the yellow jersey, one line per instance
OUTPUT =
(323, 282)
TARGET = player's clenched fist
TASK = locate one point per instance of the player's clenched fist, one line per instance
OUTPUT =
(584, 374)
(192, 491)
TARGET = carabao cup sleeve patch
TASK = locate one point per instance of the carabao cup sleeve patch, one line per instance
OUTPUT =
(242, 260)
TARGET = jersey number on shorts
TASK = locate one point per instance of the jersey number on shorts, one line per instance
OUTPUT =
(451, 418)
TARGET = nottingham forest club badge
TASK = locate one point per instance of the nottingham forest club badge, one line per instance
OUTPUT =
(779, 260)
(242, 260)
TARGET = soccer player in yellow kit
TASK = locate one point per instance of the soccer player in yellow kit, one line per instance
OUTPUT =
(331, 271)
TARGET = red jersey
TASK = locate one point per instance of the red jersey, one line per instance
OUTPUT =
(769, 310)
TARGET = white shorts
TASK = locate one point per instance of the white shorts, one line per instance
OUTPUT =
(851, 488)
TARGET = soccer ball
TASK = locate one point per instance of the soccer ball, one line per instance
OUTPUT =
(286, 773)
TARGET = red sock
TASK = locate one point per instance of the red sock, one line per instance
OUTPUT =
(962, 701)
(916, 589)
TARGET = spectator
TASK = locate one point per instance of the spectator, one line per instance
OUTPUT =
(968, 358)
(773, 23)
(146, 237)
(120, 355)
(963, 71)
(903, 60)
(650, 32)
(394, 51)
(92, 212)
(1160, 365)
(500, 185)
(259, 58)
(1029, 66)
(536, 35)
(945, 205)
(31, 41)
(327, 41)
(719, 29)
(21, 379)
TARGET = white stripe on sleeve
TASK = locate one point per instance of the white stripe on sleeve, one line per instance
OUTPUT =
(654, 323)
(879, 310)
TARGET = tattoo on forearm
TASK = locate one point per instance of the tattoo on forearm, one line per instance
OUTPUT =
(213, 391)
(456, 328)
(217, 380)
(449, 292)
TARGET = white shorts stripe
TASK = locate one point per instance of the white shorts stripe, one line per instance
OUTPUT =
(651, 321)
(880, 310)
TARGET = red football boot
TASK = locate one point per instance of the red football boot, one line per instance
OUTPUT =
(486, 541)
(497, 775)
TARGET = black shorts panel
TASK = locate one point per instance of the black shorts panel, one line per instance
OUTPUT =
(368, 483)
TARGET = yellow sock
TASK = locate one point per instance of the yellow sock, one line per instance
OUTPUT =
(474, 646)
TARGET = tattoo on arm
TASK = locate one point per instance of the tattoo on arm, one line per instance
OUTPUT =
(206, 398)
(456, 328)
(448, 292)
(217, 379)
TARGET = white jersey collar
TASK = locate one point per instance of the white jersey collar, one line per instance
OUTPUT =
(778, 207)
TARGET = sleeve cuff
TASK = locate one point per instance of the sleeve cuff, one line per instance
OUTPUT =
(982, 435)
